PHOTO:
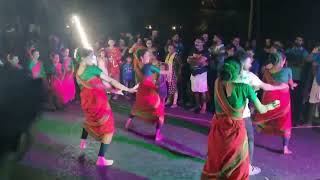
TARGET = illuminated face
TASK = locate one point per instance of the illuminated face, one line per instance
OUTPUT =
(175, 37)
(299, 41)
(247, 64)
(163, 67)
(149, 44)
(155, 33)
(102, 54)
(236, 41)
(216, 39)
(111, 43)
(14, 60)
(139, 41)
(91, 60)
(230, 52)
(146, 57)
(129, 59)
(205, 37)
(268, 42)
(250, 53)
(36, 55)
(66, 53)
(56, 58)
(198, 43)
(122, 42)
(171, 49)
(129, 35)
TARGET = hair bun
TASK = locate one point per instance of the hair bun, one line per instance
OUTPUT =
(80, 53)
(230, 70)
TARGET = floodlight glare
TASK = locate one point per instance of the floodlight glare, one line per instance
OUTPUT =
(83, 36)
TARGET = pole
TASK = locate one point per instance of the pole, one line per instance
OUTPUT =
(258, 22)
(250, 20)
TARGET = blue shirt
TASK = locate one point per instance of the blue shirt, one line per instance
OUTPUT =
(295, 57)
(283, 76)
(127, 72)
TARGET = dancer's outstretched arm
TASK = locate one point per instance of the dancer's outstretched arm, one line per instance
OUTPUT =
(265, 108)
(258, 105)
(116, 84)
(256, 83)
(269, 87)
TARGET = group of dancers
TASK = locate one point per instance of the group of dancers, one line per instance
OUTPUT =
(60, 83)
(94, 84)
(230, 141)
(231, 138)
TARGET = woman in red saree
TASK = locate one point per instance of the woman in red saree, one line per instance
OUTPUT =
(278, 121)
(114, 62)
(69, 84)
(148, 106)
(99, 122)
(228, 156)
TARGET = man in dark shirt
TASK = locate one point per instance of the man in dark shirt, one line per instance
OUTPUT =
(216, 61)
(301, 71)
(198, 60)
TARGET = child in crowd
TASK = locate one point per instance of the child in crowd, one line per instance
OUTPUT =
(162, 83)
(128, 74)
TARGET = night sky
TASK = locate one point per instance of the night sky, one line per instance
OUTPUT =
(281, 19)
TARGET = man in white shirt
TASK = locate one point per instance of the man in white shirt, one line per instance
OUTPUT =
(251, 79)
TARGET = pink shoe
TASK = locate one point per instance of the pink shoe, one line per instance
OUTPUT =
(104, 162)
(286, 151)
(83, 144)
(128, 123)
(159, 137)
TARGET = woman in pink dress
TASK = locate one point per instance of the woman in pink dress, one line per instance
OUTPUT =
(57, 79)
(35, 66)
(69, 84)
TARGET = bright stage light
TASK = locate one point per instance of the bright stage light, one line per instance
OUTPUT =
(149, 27)
(83, 36)
(174, 28)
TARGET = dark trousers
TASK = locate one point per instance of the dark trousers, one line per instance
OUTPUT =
(184, 86)
(212, 76)
(299, 103)
(129, 84)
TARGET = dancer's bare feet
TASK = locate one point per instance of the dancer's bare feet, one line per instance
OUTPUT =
(128, 123)
(203, 109)
(104, 162)
(286, 151)
(83, 144)
(174, 106)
